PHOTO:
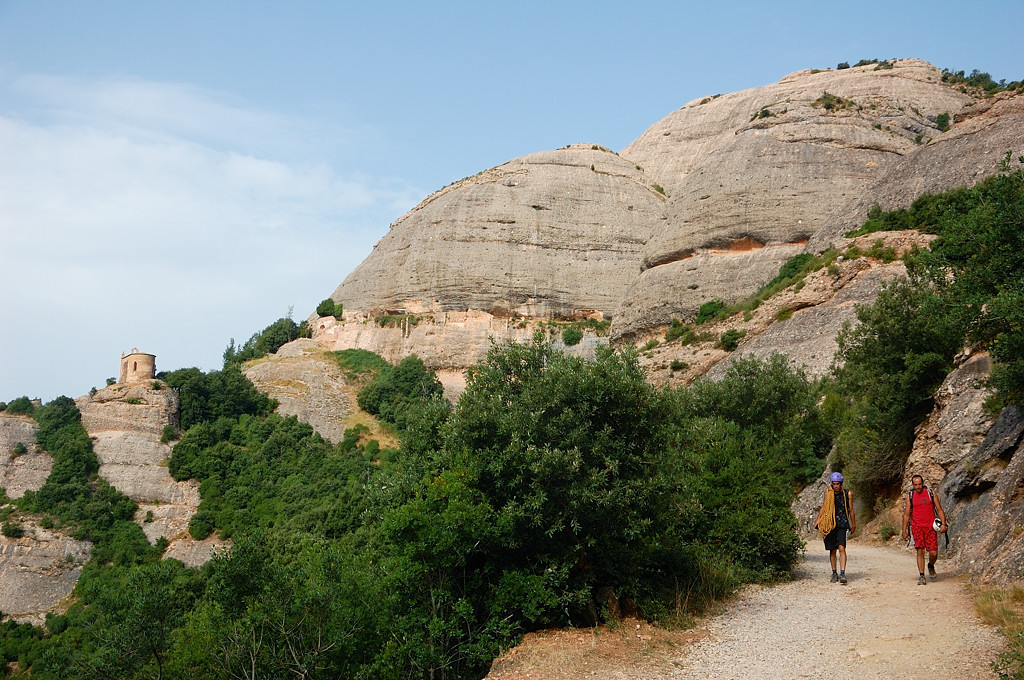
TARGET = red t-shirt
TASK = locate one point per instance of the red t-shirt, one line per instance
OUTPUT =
(922, 512)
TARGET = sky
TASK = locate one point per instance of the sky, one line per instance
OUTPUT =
(177, 175)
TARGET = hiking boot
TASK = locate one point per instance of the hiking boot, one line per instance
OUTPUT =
(835, 577)
(931, 572)
(921, 581)
(842, 579)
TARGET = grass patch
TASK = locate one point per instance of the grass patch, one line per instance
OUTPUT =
(396, 320)
(1004, 609)
(358, 363)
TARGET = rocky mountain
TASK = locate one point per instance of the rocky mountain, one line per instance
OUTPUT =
(706, 204)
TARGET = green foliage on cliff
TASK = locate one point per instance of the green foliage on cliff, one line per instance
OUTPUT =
(965, 289)
(267, 341)
(205, 397)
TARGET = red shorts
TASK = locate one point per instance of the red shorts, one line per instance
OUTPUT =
(924, 538)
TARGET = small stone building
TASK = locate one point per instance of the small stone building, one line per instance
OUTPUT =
(137, 366)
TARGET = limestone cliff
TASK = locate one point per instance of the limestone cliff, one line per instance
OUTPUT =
(707, 203)
(552, 233)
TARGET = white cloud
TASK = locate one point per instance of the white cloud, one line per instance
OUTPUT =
(133, 209)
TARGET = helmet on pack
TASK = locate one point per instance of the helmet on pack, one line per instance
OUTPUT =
(836, 477)
(937, 524)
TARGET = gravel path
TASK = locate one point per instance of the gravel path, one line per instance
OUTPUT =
(880, 625)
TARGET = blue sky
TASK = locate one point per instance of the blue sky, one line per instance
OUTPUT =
(174, 175)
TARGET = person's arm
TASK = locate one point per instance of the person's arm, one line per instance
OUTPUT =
(853, 518)
(906, 516)
(941, 513)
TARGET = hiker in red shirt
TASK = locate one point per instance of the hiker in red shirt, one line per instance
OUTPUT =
(920, 508)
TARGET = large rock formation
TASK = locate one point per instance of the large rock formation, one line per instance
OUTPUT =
(707, 203)
(555, 233)
(38, 571)
(753, 175)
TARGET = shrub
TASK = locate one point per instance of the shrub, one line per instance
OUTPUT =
(831, 102)
(265, 342)
(730, 339)
(709, 310)
(658, 188)
(329, 307)
(170, 433)
(398, 389)
(19, 449)
(942, 121)
(678, 365)
(571, 336)
(681, 331)
(887, 531)
(111, 381)
(649, 345)
(21, 406)
(784, 314)
(842, 65)
(12, 530)
(359, 362)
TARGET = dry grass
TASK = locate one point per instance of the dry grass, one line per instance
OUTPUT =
(630, 648)
(1004, 609)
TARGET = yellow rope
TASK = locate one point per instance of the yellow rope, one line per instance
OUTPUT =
(828, 513)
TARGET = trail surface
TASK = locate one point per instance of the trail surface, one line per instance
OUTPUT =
(880, 625)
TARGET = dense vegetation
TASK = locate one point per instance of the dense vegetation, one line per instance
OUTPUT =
(965, 290)
(557, 491)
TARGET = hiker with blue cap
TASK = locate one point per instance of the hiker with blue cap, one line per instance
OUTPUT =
(835, 520)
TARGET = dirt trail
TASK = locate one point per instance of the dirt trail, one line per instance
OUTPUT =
(880, 625)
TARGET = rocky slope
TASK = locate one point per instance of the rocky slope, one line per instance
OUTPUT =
(707, 203)
(753, 175)
(125, 422)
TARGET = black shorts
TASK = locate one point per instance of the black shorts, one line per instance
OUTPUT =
(835, 538)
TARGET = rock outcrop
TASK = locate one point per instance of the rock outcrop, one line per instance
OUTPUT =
(966, 154)
(706, 204)
(26, 471)
(306, 385)
(556, 233)
(38, 571)
(126, 422)
(753, 175)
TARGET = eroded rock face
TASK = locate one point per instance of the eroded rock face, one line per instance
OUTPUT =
(982, 495)
(130, 407)
(125, 423)
(37, 571)
(552, 233)
(752, 175)
(963, 156)
(27, 471)
(448, 341)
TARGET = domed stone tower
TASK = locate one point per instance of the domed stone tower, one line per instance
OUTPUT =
(137, 366)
